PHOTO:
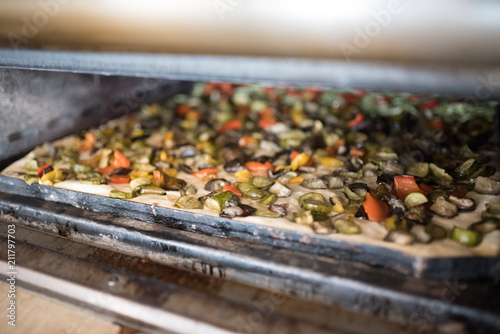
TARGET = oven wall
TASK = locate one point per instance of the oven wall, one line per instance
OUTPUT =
(40, 106)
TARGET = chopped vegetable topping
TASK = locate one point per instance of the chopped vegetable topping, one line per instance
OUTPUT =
(391, 158)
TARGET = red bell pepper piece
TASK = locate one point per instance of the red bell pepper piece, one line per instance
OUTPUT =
(120, 161)
(119, 179)
(266, 123)
(425, 188)
(259, 168)
(357, 152)
(88, 143)
(235, 124)
(357, 120)
(375, 209)
(204, 172)
(232, 188)
(404, 185)
(44, 170)
(431, 104)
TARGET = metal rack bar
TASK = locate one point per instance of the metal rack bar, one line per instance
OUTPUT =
(473, 82)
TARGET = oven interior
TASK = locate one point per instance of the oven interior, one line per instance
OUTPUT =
(157, 275)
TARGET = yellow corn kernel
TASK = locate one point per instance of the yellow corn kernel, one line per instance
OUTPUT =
(297, 179)
(338, 208)
(172, 172)
(243, 175)
(330, 162)
(138, 173)
(299, 161)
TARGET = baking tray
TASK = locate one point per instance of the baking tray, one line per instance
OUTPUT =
(376, 294)
(473, 267)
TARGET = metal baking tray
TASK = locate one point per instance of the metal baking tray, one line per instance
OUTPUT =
(421, 305)
(437, 268)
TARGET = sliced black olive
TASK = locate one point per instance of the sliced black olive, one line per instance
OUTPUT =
(463, 204)
(434, 195)
(398, 212)
(120, 171)
(353, 164)
(205, 166)
(231, 212)
(232, 201)
(444, 208)
(314, 183)
(386, 178)
(305, 169)
(47, 169)
(207, 196)
(233, 166)
(216, 184)
(185, 168)
(278, 173)
(281, 209)
(247, 210)
(360, 189)
(418, 215)
(395, 204)
(263, 159)
(361, 213)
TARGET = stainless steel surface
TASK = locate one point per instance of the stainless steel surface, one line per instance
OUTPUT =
(474, 82)
(446, 31)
